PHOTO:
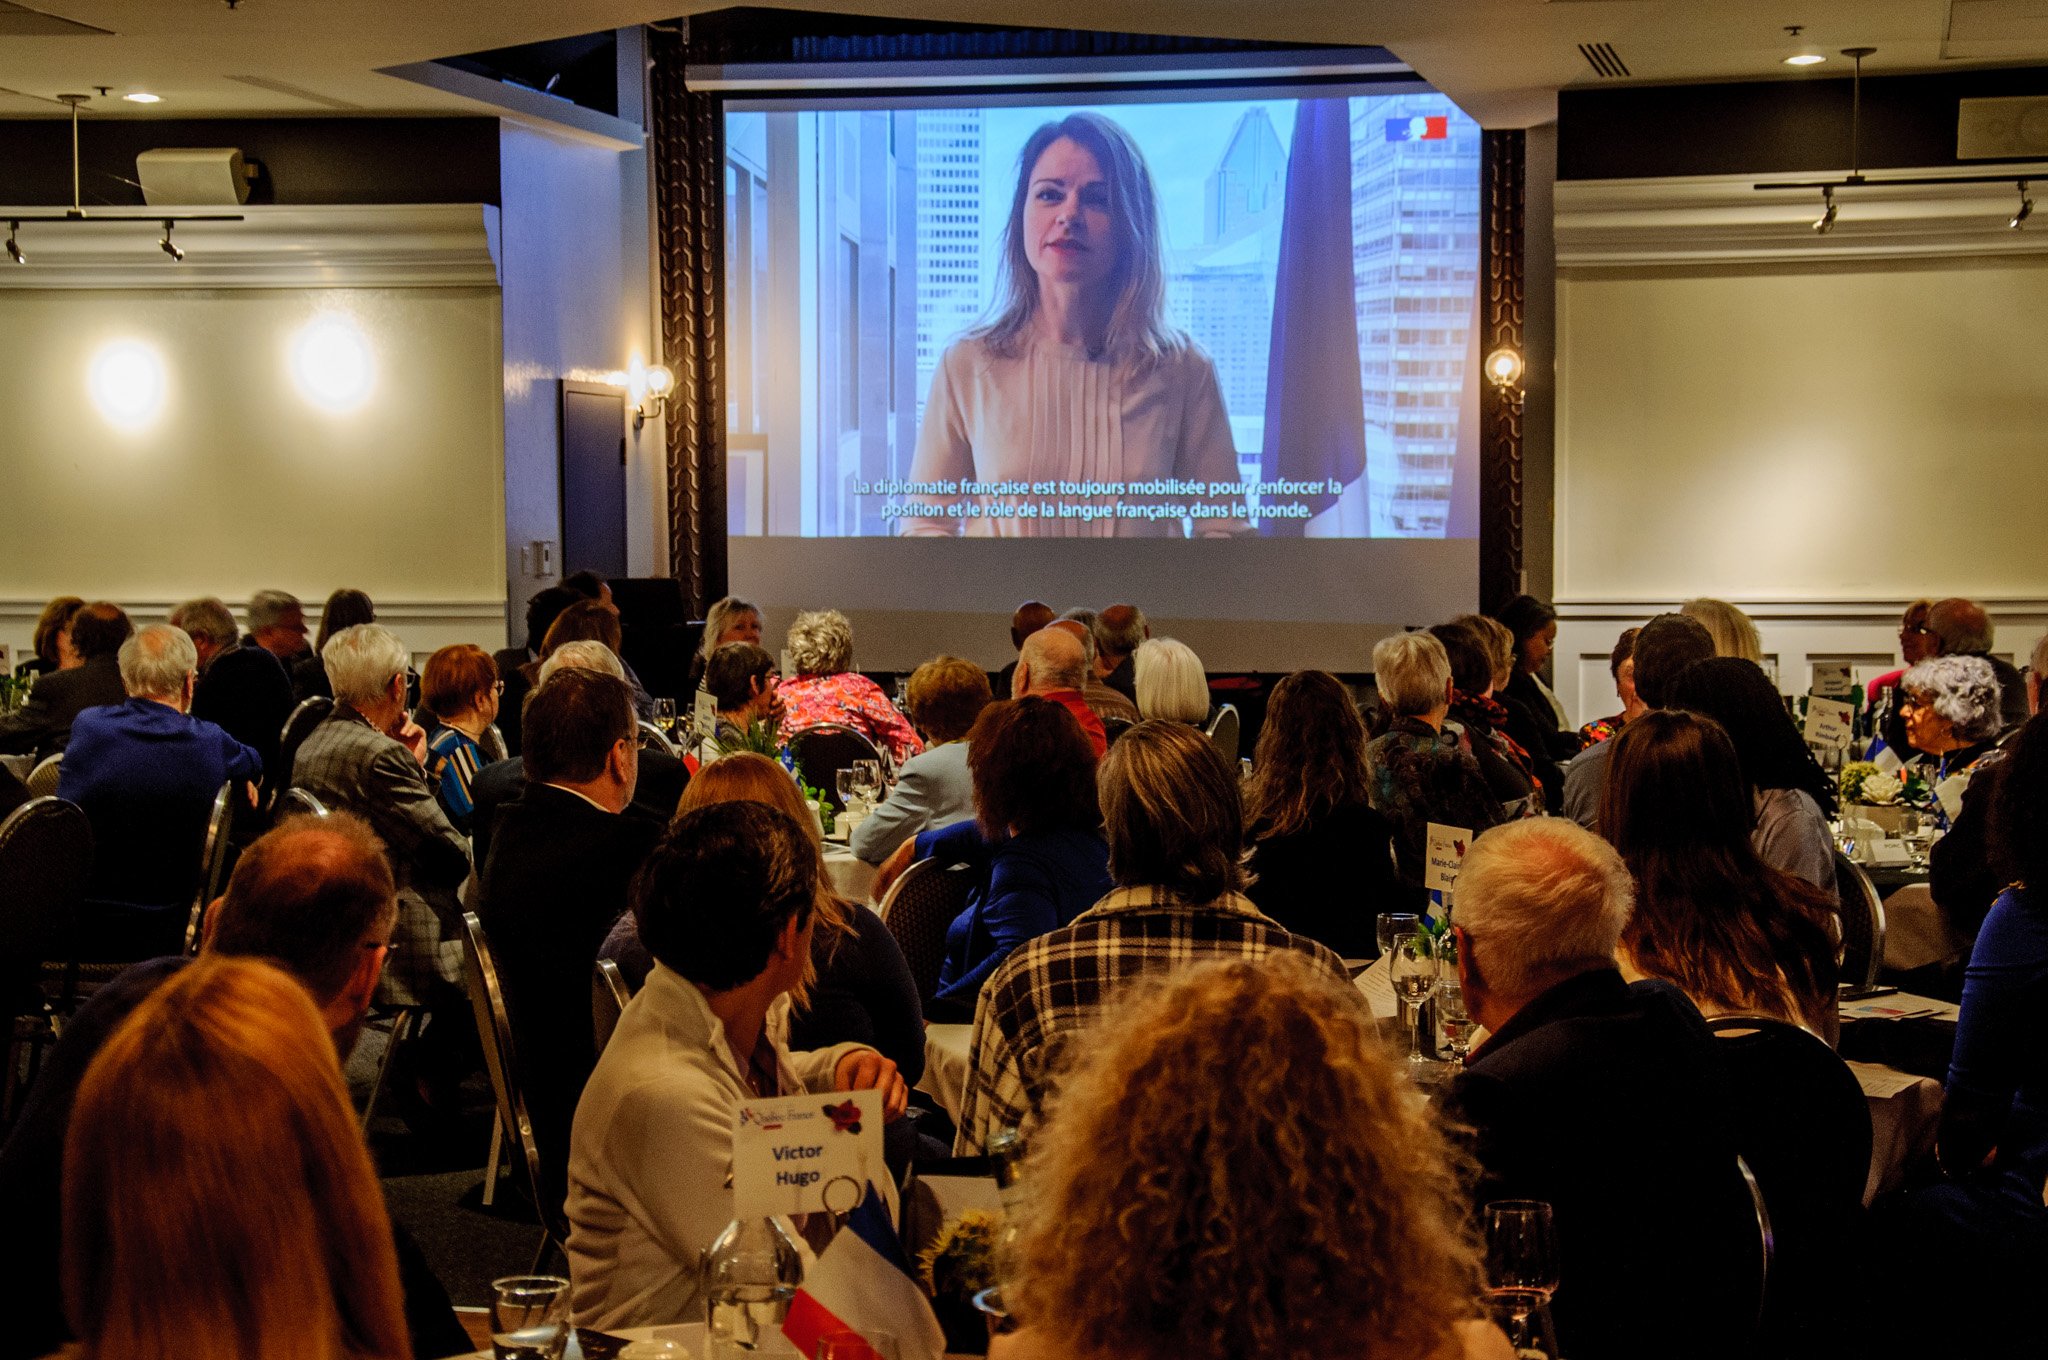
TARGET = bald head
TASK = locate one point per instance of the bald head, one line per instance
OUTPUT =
(1079, 628)
(1050, 659)
(1031, 616)
(1962, 626)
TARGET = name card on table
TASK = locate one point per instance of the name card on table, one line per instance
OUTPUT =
(1885, 850)
(1834, 680)
(806, 1154)
(1830, 723)
(1443, 856)
(704, 717)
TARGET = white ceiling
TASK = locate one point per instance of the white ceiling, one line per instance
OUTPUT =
(1502, 60)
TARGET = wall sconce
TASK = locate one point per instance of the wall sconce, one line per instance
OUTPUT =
(1504, 371)
(647, 386)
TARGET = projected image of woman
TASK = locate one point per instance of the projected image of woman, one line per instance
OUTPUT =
(1077, 376)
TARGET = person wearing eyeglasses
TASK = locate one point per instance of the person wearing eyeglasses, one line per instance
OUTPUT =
(461, 688)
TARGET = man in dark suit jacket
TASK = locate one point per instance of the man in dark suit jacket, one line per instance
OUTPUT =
(1602, 1099)
(245, 688)
(43, 724)
(555, 882)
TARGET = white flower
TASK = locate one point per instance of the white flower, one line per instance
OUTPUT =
(1881, 788)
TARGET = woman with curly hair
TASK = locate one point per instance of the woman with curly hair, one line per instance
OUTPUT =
(1734, 934)
(823, 687)
(1185, 1204)
(1321, 858)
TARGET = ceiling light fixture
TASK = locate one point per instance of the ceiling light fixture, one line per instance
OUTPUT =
(1825, 223)
(1806, 55)
(143, 97)
(14, 250)
(166, 245)
(2019, 219)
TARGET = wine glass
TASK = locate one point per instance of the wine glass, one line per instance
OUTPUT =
(1457, 1022)
(665, 715)
(848, 787)
(1521, 1262)
(1392, 923)
(1415, 977)
(867, 779)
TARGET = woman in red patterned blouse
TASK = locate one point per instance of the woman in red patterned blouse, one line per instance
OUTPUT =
(826, 689)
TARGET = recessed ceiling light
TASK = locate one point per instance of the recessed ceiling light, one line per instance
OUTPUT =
(1805, 59)
(143, 97)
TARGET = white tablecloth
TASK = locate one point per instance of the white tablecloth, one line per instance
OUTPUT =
(946, 1055)
(852, 877)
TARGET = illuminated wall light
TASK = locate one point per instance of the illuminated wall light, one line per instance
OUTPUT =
(331, 363)
(128, 383)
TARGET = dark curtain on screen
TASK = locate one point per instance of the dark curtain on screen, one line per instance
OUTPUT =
(1315, 416)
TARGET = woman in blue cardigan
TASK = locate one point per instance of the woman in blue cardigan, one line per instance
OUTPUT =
(1036, 842)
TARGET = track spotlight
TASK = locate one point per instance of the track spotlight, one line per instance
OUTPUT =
(14, 248)
(166, 246)
(1825, 223)
(2018, 219)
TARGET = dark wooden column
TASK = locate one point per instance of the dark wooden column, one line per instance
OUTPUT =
(1501, 172)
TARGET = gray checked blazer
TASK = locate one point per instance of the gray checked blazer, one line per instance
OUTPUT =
(346, 763)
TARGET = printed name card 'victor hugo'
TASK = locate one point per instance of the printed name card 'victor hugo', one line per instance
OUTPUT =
(806, 1153)
(1830, 724)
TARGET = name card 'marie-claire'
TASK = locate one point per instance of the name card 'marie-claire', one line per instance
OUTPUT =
(805, 1154)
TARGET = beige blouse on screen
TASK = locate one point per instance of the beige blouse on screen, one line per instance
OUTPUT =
(1053, 414)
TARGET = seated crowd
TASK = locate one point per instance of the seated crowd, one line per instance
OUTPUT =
(1153, 953)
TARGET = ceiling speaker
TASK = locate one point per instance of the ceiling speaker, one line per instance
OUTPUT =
(194, 176)
(1992, 129)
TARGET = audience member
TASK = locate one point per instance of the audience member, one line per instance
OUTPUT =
(726, 905)
(1106, 703)
(345, 608)
(1320, 864)
(1736, 935)
(1962, 628)
(728, 620)
(1733, 633)
(315, 896)
(1170, 681)
(48, 646)
(589, 620)
(1621, 665)
(1793, 795)
(591, 585)
(499, 784)
(243, 688)
(1482, 722)
(1601, 1098)
(1035, 846)
(1951, 709)
(1053, 666)
(42, 725)
(934, 788)
(1417, 772)
(541, 612)
(1664, 647)
(147, 775)
(1119, 631)
(1967, 866)
(460, 688)
(742, 681)
(1916, 644)
(1176, 852)
(277, 624)
(561, 861)
(1027, 619)
(1300, 1205)
(826, 688)
(1536, 720)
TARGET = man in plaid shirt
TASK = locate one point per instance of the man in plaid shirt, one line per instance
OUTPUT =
(1175, 825)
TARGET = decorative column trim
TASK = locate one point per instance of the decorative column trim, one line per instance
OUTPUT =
(1501, 494)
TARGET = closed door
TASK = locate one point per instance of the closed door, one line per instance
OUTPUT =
(593, 479)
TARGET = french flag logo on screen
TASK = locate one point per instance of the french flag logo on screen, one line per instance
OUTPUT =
(1436, 128)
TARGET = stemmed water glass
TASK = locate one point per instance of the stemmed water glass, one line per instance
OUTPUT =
(1456, 1021)
(1414, 971)
(867, 780)
(1522, 1266)
(848, 788)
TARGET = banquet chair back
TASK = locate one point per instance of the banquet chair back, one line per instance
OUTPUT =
(492, 743)
(824, 750)
(494, 1026)
(1223, 730)
(1767, 1243)
(298, 800)
(308, 715)
(1802, 1124)
(918, 908)
(608, 997)
(1112, 728)
(652, 738)
(42, 780)
(45, 862)
(1862, 915)
(213, 862)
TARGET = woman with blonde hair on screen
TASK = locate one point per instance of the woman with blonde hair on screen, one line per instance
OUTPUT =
(218, 1199)
(1077, 376)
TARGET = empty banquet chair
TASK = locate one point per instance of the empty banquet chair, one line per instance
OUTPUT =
(487, 998)
(1862, 916)
(45, 860)
(822, 751)
(213, 862)
(919, 907)
(42, 780)
(1223, 730)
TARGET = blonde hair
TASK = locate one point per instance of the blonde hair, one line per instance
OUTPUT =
(1170, 681)
(820, 643)
(1500, 644)
(1733, 633)
(1189, 1205)
(217, 1193)
(748, 777)
(1412, 672)
(1541, 899)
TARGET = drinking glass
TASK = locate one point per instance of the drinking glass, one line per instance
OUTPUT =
(1414, 971)
(867, 779)
(1522, 1263)
(1392, 923)
(665, 715)
(848, 786)
(745, 1319)
(1451, 1014)
(529, 1317)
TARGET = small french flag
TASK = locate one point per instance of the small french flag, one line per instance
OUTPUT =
(1435, 128)
(862, 1284)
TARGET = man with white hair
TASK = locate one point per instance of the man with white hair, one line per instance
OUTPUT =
(1103, 701)
(366, 758)
(1601, 1098)
(1053, 665)
(243, 685)
(146, 774)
